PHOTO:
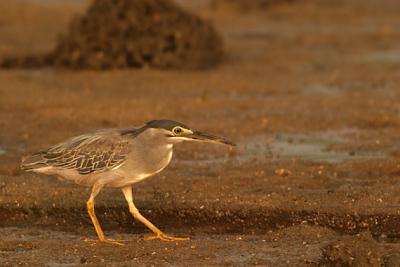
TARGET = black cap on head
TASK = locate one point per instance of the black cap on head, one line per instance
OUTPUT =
(165, 124)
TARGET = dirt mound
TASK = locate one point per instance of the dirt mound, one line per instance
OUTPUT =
(249, 5)
(125, 33)
(360, 250)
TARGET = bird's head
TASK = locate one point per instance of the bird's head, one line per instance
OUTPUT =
(178, 132)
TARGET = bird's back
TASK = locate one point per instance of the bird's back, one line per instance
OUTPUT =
(88, 153)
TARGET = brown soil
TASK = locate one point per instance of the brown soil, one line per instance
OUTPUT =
(124, 33)
(309, 92)
(361, 250)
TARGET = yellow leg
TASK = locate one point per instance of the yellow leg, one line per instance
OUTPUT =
(135, 213)
(90, 208)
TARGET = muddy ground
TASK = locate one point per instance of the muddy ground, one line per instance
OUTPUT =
(310, 87)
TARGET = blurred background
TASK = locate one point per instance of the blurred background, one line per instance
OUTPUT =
(309, 89)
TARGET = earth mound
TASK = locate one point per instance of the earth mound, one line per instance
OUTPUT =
(125, 33)
(360, 250)
(248, 5)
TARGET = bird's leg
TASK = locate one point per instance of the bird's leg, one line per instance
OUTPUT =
(135, 212)
(90, 208)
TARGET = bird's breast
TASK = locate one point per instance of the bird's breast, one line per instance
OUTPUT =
(144, 163)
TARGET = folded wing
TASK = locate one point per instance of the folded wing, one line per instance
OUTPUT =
(86, 154)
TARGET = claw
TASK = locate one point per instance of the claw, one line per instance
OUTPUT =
(165, 237)
(107, 241)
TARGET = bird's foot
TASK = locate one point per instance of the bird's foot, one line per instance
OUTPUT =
(165, 237)
(105, 240)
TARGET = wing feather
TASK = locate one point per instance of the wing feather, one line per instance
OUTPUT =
(90, 153)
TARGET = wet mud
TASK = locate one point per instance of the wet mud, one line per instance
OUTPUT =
(308, 91)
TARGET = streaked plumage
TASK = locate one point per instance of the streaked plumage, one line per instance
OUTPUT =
(97, 152)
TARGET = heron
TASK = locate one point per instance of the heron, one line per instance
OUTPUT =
(117, 158)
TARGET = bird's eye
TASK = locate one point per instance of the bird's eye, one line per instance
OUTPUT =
(177, 130)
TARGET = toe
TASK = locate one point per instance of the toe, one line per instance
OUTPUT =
(107, 241)
(114, 242)
(165, 237)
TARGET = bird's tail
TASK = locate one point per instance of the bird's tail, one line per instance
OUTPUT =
(32, 162)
